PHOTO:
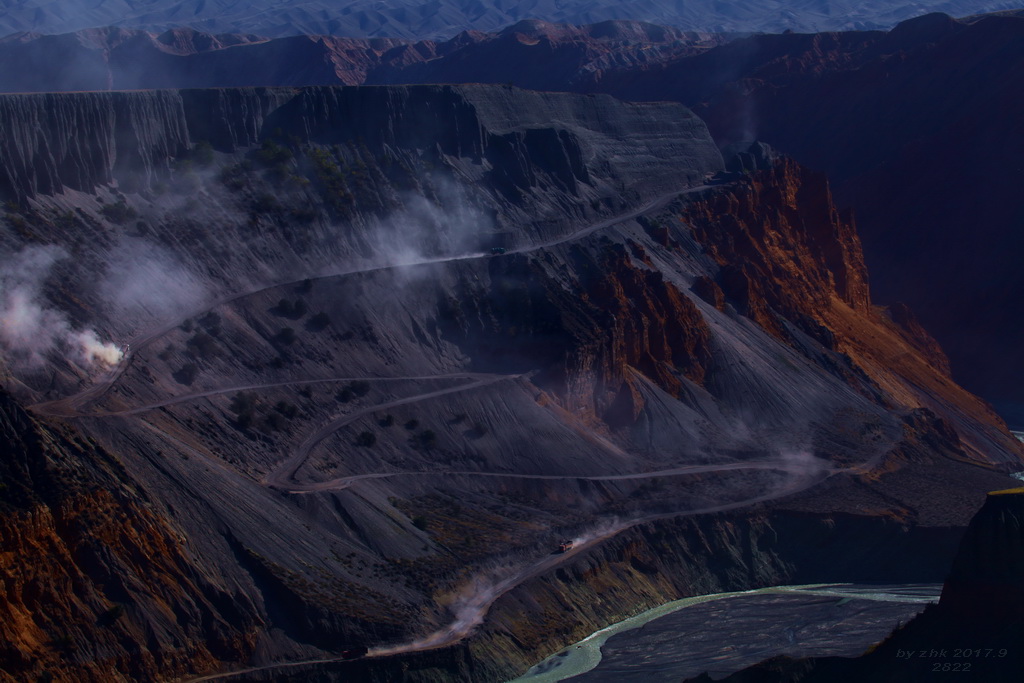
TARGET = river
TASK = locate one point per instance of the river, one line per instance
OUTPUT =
(725, 632)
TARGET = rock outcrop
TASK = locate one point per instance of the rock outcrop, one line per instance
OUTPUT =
(801, 255)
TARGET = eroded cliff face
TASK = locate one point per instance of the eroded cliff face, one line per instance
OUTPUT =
(799, 266)
(873, 111)
(792, 260)
(773, 248)
(84, 140)
(864, 106)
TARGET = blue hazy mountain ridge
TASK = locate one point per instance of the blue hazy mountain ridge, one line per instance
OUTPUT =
(445, 18)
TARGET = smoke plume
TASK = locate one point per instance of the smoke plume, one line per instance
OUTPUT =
(29, 329)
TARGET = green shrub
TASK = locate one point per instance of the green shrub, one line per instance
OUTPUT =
(275, 421)
(202, 344)
(420, 522)
(303, 214)
(284, 307)
(243, 402)
(318, 322)
(386, 421)
(210, 321)
(412, 424)
(187, 374)
(119, 213)
(202, 153)
(273, 155)
(265, 203)
(336, 191)
(366, 439)
(289, 410)
(288, 309)
(237, 176)
(426, 440)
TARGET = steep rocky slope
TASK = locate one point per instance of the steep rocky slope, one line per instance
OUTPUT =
(380, 349)
(95, 580)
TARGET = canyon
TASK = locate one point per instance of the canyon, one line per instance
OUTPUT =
(307, 370)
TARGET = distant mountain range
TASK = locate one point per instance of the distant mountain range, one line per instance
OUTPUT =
(445, 18)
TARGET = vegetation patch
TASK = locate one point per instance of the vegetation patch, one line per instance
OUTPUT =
(318, 322)
(332, 180)
(119, 213)
(187, 374)
(202, 344)
(290, 309)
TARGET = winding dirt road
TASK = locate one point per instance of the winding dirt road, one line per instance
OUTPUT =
(72, 406)
(469, 611)
(185, 398)
(285, 472)
(344, 482)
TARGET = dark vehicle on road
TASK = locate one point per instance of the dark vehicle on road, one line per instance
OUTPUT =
(497, 251)
(354, 652)
(565, 546)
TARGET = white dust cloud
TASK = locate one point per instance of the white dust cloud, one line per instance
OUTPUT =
(29, 329)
